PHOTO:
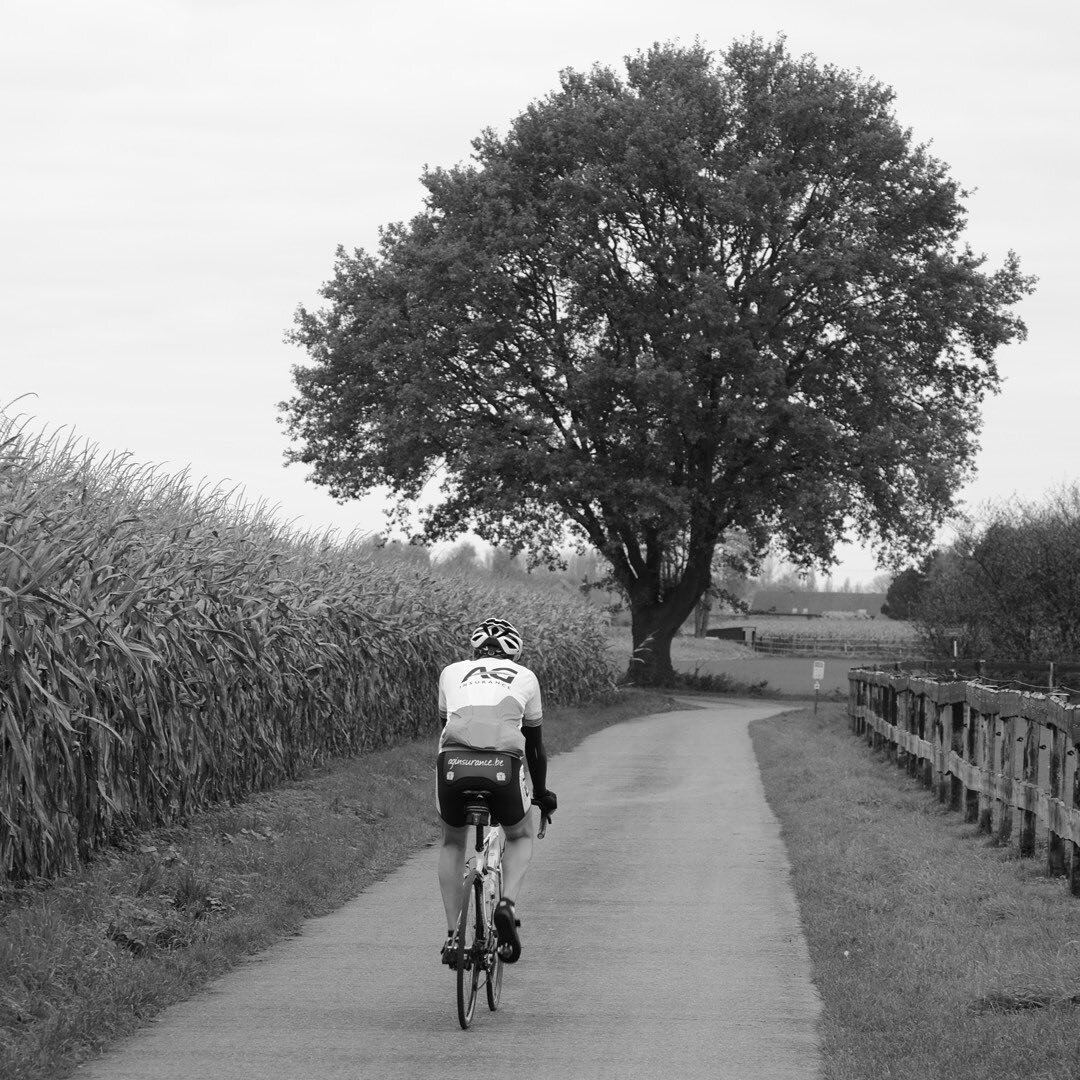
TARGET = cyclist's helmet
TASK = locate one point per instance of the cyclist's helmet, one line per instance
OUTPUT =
(496, 637)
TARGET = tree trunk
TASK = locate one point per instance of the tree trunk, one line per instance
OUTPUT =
(654, 623)
(701, 614)
(652, 631)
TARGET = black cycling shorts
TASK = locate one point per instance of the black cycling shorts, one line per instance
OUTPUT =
(481, 770)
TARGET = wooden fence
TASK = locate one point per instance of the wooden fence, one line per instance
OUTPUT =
(809, 645)
(1007, 759)
(776, 642)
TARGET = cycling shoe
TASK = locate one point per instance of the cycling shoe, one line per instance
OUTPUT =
(506, 924)
(449, 951)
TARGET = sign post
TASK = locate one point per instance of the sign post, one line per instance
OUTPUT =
(819, 674)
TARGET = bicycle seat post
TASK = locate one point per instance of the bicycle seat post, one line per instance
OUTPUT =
(478, 813)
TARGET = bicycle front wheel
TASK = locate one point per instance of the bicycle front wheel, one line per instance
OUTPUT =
(469, 958)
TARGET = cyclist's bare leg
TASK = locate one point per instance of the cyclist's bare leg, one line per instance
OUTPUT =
(517, 854)
(452, 869)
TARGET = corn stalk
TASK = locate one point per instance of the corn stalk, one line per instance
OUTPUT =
(164, 648)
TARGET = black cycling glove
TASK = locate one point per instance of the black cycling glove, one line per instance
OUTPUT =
(547, 802)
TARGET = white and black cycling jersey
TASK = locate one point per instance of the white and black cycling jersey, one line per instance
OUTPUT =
(485, 703)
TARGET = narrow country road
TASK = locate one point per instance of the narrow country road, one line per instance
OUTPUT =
(661, 939)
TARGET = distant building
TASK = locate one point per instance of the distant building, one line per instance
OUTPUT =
(838, 605)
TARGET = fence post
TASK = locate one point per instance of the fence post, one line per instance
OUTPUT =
(1070, 785)
(956, 784)
(902, 724)
(1056, 865)
(999, 759)
(1030, 765)
(916, 724)
(987, 726)
(971, 756)
(1010, 743)
(868, 705)
(927, 709)
(942, 745)
(886, 714)
(876, 711)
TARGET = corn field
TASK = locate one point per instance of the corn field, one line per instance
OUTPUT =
(163, 648)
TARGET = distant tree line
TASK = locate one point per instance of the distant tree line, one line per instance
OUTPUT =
(581, 571)
(736, 576)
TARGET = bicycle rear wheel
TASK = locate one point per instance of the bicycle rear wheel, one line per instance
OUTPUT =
(468, 957)
(495, 964)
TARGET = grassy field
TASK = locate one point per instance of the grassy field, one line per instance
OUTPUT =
(937, 954)
(97, 953)
(689, 653)
(686, 650)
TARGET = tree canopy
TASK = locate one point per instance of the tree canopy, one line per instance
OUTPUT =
(711, 293)
(905, 592)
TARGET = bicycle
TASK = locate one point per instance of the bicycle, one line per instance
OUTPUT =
(477, 942)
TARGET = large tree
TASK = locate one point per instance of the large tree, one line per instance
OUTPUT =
(713, 293)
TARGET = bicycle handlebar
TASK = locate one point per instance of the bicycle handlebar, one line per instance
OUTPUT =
(545, 820)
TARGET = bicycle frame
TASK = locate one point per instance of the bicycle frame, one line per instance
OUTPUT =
(489, 847)
(477, 955)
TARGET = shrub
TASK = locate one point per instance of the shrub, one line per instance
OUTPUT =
(1009, 587)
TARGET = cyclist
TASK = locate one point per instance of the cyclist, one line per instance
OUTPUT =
(492, 714)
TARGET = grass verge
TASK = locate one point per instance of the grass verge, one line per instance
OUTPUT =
(937, 954)
(94, 955)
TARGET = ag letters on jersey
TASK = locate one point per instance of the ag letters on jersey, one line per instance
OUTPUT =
(486, 702)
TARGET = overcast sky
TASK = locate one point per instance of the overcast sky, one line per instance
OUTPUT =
(177, 175)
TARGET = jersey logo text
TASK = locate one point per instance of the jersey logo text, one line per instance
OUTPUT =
(503, 675)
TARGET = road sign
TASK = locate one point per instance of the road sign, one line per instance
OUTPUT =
(819, 671)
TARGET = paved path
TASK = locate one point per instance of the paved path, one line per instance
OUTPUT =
(661, 939)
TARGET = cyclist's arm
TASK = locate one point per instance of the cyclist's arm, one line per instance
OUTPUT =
(535, 757)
